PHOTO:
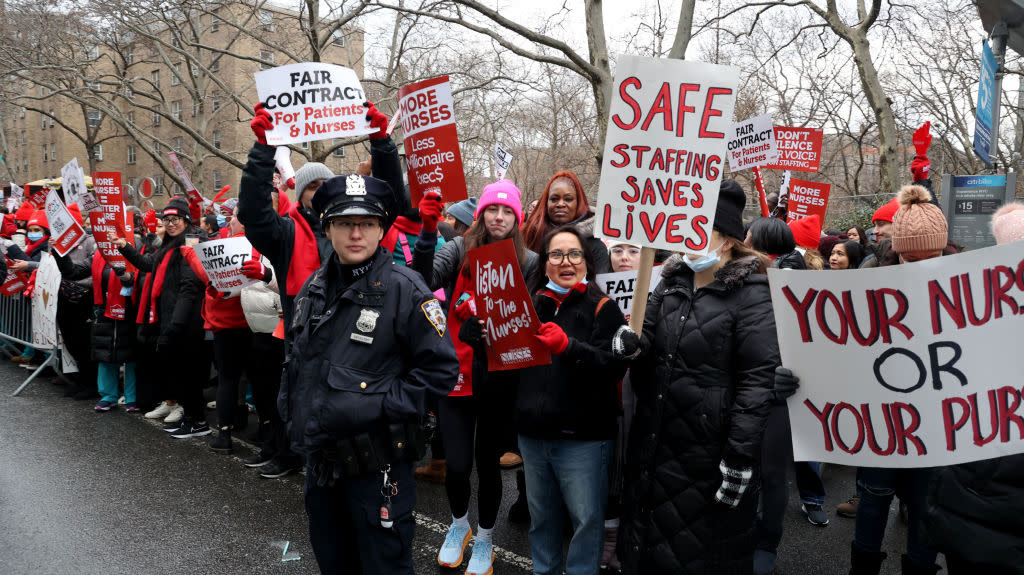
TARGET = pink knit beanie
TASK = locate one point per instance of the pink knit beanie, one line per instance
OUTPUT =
(1008, 223)
(502, 193)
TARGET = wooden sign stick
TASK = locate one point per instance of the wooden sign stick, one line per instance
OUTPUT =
(643, 283)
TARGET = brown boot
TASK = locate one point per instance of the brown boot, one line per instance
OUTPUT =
(433, 471)
(510, 460)
(848, 509)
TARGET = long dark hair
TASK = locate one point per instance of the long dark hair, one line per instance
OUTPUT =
(863, 241)
(540, 279)
(854, 253)
(477, 236)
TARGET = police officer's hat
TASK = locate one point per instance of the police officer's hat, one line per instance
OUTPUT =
(354, 195)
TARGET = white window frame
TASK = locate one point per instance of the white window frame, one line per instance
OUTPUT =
(98, 152)
(132, 156)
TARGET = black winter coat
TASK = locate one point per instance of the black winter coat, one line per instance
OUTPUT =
(703, 385)
(976, 511)
(576, 395)
(113, 340)
(364, 358)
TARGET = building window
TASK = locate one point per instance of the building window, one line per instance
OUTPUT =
(46, 153)
(155, 78)
(93, 118)
(304, 145)
(179, 144)
(214, 23)
(98, 152)
(216, 141)
(130, 116)
(158, 184)
(92, 52)
(266, 20)
(53, 151)
(215, 64)
(156, 118)
(156, 147)
(23, 112)
(217, 180)
(267, 60)
(42, 91)
(129, 55)
(133, 183)
(51, 118)
(338, 38)
(176, 109)
(42, 121)
(216, 102)
(177, 189)
(176, 75)
(24, 138)
(128, 94)
(131, 154)
(338, 152)
(24, 168)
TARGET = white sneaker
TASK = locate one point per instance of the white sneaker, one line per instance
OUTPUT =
(211, 405)
(161, 410)
(175, 416)
(121, 401)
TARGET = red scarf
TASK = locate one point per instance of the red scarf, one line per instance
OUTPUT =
(31, 247)
(464, 385)
(305, 253)
(404, 225)
(115, 302)
(151, 290)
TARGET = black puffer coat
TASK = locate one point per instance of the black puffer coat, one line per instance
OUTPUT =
(703, 386)
(112, 340)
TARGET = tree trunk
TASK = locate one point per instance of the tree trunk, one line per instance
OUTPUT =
(888, 137)
(601, 84)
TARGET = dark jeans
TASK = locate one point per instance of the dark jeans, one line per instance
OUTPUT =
(877, 488)
(474, 429)
(74, 321)
(184, 368)
(344, 524)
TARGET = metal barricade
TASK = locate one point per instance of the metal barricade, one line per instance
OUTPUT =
(16, 330)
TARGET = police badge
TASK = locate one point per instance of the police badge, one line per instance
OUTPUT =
(355, 185)
(366, 323)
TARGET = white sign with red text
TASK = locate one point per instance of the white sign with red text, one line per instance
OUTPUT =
(752, 143)
(431, 141)
(65, 231)
(223, 259)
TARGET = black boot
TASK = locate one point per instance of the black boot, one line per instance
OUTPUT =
(911, 569)
(222, 442)
(865, 562)
(520, 510)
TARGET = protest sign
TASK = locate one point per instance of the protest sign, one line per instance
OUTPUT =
(806, 199)
(65, 231)
(223, 259)
(799, 149)
(620, 286)
(111, 220)
(17, 192)
(752, 143)
(44, 302)
(72, 180)
(502, 160)
(14, 282)
(36, 195)
(312, 101)
(193, 195)
(431, 141)
(665, 151)
(504, 303)
(915, 365)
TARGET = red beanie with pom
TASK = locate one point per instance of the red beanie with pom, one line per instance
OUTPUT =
(807, 231)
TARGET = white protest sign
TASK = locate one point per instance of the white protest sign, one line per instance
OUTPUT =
(65, 231)
(223, 259)
(312, 101)
(17, 192)
(67, 361)
(668, 128)
(752, 143)
(915, 365)
(44, 302)
(502, 160)
(283, 163)
(620, 287)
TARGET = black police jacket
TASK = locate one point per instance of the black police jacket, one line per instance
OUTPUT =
(364, 358)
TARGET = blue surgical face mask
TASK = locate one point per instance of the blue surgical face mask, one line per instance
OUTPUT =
(221, 221)
(559, 289)
(34, 236)
(704, 262)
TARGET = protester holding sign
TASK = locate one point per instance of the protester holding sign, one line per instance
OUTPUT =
(564, 203)
(476, 415)
(75, 312)
(37, 241)
(704, 381)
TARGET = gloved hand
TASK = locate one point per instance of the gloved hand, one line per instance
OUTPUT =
(430, 211)
(261, 122)
(735, 480)
(919, 167)
(923, 139)
(625, 343)
(254, 269)
(192, 259)
(377, 120)
(472, 332)
(552, 336)
(786, 383)
(466, 309)
(327, 471)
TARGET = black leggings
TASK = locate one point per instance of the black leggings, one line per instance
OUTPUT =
(462, 419)
(184, 368)
(232, 351)
(264, 372)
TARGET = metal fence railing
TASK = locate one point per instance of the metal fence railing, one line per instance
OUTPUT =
(16, 330)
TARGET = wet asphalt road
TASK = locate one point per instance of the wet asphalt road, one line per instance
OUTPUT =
(89, 493)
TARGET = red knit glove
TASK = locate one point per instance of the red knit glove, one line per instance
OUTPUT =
(553, 337)
(430, 211)
(923, 139)
(31, 284)
(254, 269)
(291, 183)
(261, 122)
(377, 120)
(466, 309)
(919, 168)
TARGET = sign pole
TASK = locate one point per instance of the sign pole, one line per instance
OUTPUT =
(761, 198)
(643, 284)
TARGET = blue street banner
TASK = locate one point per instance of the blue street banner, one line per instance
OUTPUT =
(986, 104)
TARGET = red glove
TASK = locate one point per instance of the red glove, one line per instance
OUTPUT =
(430, 211)
(193, 262)
(261, 122)
(291, 183)
(254, 269)
(553, 337)
(923, 139)
(466, 309)
(377, 120)
(31, 283)
(919, 167)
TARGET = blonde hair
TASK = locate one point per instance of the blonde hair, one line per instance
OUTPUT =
(813, 260)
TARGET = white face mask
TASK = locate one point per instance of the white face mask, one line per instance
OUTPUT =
(704, 262)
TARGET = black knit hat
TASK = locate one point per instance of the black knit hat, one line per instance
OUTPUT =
(729, 210)
(177, 206)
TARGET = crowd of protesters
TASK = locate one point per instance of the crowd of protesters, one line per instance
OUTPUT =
(660, 451)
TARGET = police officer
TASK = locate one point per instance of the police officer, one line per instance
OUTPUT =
(369, 343)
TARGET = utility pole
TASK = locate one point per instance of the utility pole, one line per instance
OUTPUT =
(998, 45)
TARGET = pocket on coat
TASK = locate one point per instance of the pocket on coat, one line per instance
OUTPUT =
(355, 399)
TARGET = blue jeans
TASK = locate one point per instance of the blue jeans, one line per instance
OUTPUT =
(809, 483)
(877, 486)
(107, 377)
(574, 473)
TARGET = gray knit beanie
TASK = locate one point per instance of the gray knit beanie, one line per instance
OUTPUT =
(310, 172)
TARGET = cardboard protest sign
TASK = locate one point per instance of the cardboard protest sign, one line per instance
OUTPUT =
(14, 282)
(75, 190)
(65, 231)
(111, 220)
(799, 149)
(17, 192)
(752, 143)
(431, 141)
(504, 303)
(44, 302)
(37, 195)
(223, 259)
(665, 152)
(193, 195)
(620, 287)
(502, 160)
(915, 365)
(806, 199)
(312, 101)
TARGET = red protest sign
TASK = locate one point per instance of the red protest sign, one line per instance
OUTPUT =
(504, 304)
(799, 149)
(807, 199)
(431, 141)
(110, 221)
(36, 195)
(64, 229)
(14, 282)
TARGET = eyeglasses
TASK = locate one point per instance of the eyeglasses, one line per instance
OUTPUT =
(619, 250)
(557, 257)
(349, 226)
(172, 220)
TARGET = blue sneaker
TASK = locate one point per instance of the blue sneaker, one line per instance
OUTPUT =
(104, 406)
(454, 546)
(482, 559)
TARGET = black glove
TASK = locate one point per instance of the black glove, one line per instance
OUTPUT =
(327, 471)
(625, 343)
(472, 333)
(786, 383)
